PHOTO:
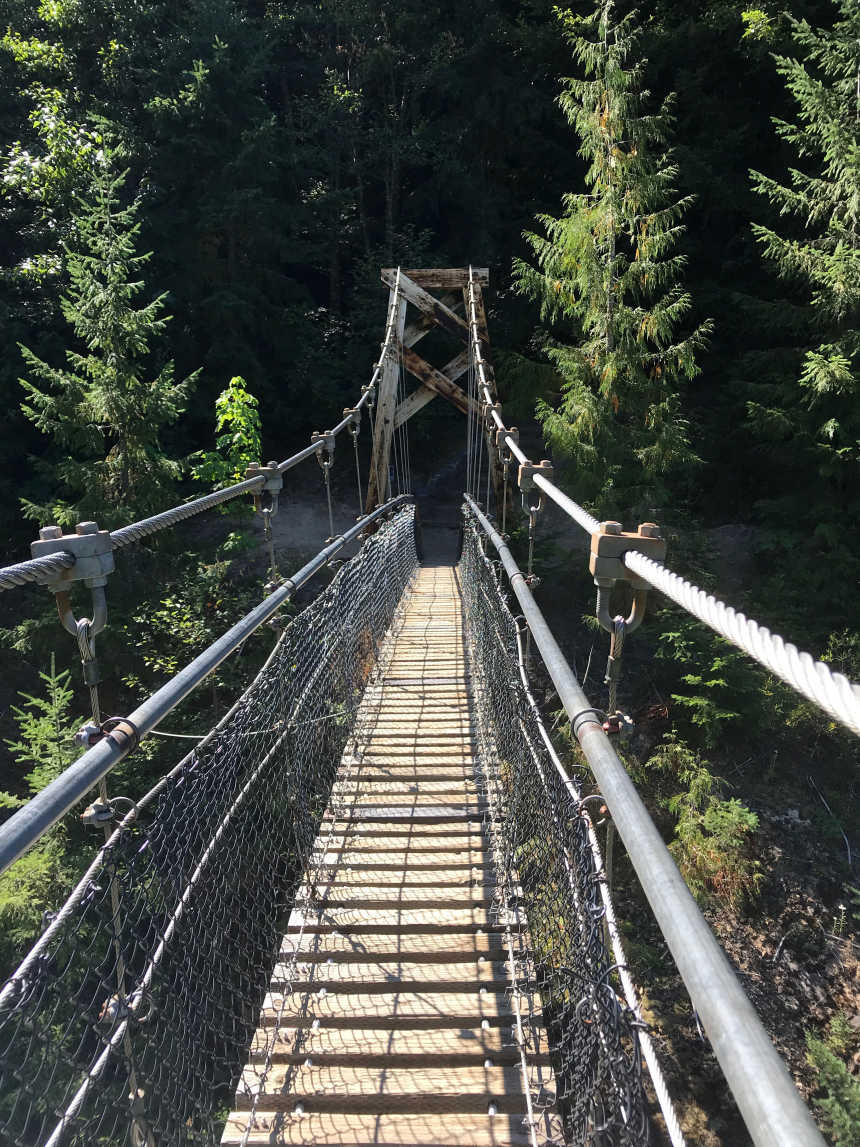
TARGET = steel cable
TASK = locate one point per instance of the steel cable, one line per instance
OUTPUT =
(36, 571)
(39, 571)
(815, 680)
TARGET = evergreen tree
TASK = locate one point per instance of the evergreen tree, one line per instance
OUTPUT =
(104, 412)
(609, 266)
(814, 421)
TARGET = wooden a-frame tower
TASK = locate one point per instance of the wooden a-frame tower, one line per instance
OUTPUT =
(445, 312)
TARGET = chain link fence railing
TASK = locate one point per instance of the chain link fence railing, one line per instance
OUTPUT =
(551, 885)
(131, 1019)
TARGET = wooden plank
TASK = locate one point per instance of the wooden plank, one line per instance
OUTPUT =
(343, 916)
(425, 393)
(354, 1130)
(396, 971)
(391, 991)
(442, 315)
(393, 900)
(444, 278)
(393, 1046)
(395, 1008)
(457, 945)
(322, 1087)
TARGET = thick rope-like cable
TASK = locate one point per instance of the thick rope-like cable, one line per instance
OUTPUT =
(815, 680)
(36, 571)
(139, 530)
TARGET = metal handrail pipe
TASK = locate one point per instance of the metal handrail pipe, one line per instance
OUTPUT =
(774, 1113)
(26, 826)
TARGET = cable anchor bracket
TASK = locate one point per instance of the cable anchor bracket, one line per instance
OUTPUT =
(266, 498)
(505, 454)
(353, 413)
(532, 496)
(92, 549)
(606, 563)
(325, 441)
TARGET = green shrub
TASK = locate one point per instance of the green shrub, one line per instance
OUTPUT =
(839, 1107)
(713, 836)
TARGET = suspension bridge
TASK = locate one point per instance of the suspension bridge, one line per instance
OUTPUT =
(371, 905)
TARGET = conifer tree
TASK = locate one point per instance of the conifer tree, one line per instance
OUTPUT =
(608, 268)
(105, 411)
(817, 415)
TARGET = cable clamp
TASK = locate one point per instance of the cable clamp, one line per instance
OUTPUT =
(124, 733)
(532, 581)
(325, 448)
(617, 724)
(606, 563)
(505, 455)
(91, 547)
(354, 415)
(88, 735)
(97, 814)
(533, 498)
(609, 546)
(585, 717)
(488, 408)
(266, 497)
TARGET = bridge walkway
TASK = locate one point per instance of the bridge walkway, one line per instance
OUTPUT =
(390, 1019)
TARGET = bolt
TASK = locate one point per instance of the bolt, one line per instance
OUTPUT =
(86, 528)
(50, 533)
(610, 527)
(649, 530)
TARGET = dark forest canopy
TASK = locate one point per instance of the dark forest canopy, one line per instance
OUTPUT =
(669, 205)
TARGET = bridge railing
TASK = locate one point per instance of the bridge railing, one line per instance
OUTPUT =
(130, 1020)
(771, 1106)
(551, 894)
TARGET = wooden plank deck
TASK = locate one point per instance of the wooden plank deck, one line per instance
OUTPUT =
(390, 1017)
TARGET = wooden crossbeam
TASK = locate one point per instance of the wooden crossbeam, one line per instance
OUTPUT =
(442, 315)
(433, 382)
(424, 324)
(444, 278)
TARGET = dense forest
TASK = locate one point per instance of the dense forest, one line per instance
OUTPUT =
(195, 204)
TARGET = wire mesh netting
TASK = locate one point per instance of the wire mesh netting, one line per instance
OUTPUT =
(131, 1019)
(550, 883)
